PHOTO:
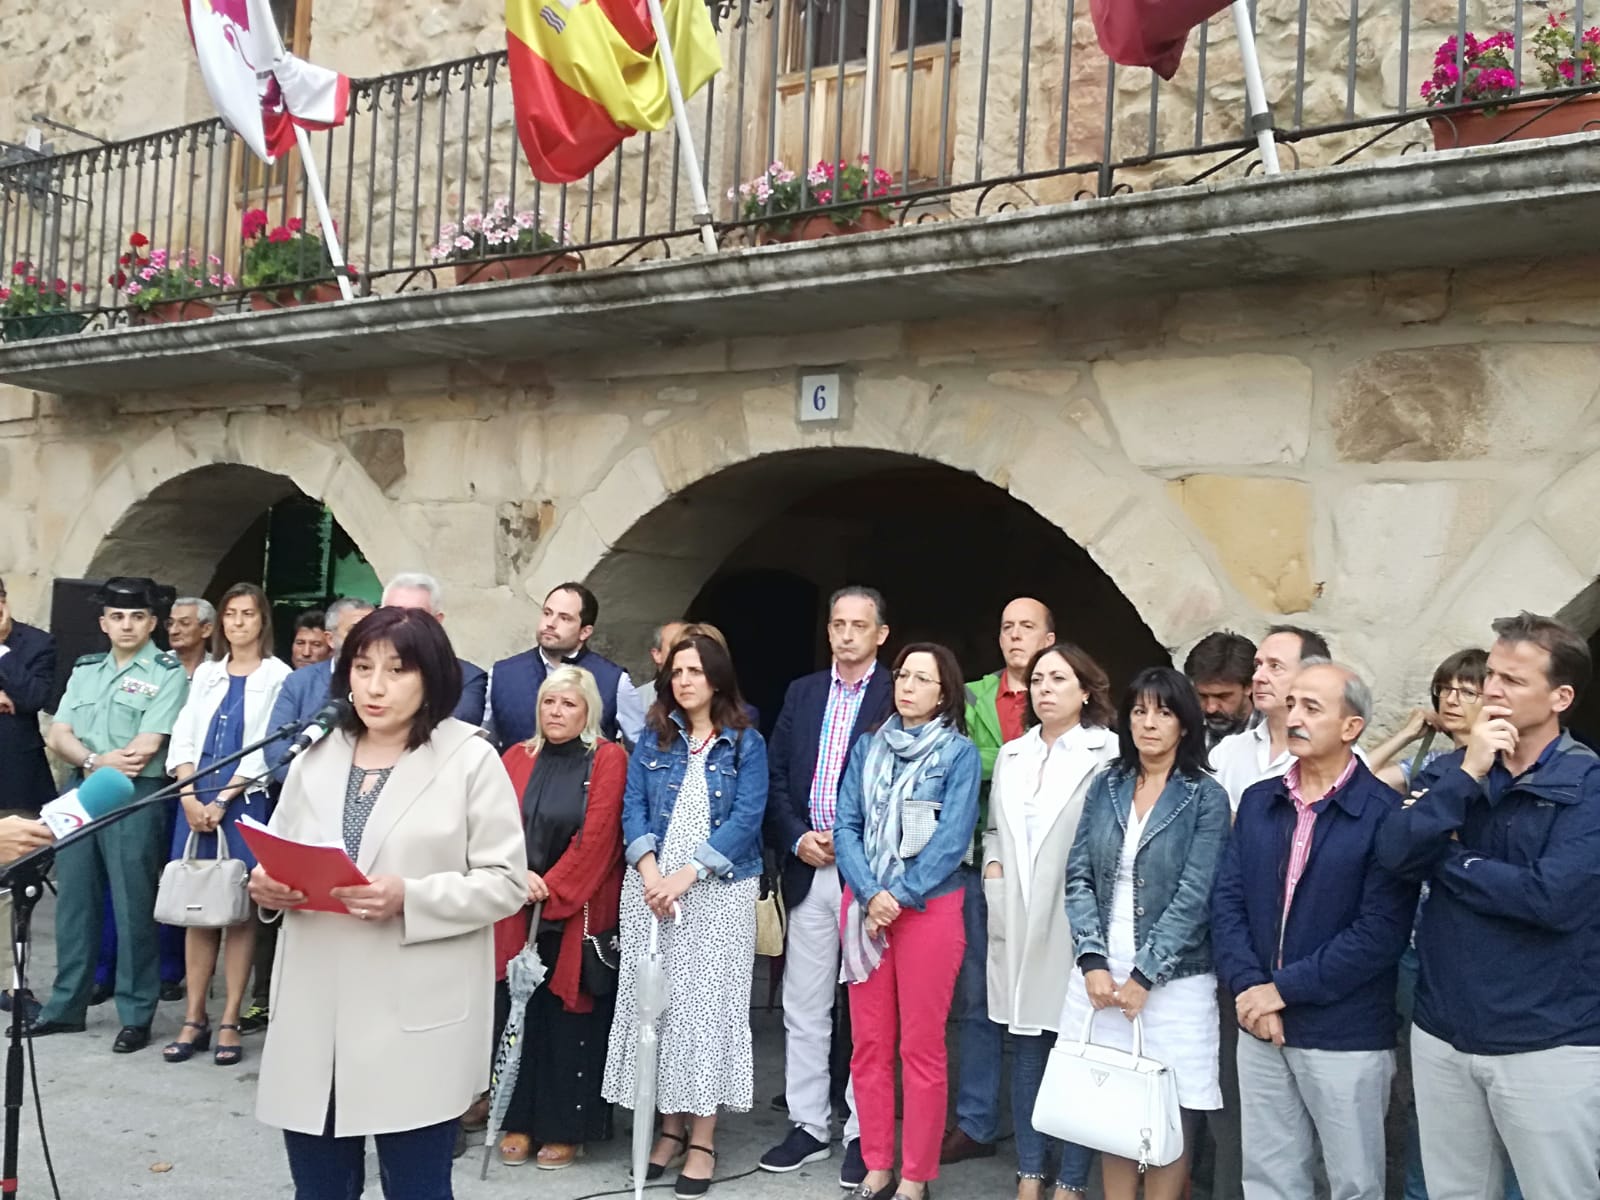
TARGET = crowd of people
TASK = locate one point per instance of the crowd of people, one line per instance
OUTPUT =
(1207, 867)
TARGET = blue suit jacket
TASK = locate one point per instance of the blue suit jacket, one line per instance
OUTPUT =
(792, 762)
(306, 691)
(27, 673)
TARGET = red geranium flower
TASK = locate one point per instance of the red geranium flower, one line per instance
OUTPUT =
(253, 222)
(280, 234)
(77, 287)
(138, 241)
(20, 267)
(295, 224)
(118, 280)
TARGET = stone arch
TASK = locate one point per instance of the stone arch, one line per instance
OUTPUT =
(646, 503)
(226, 469)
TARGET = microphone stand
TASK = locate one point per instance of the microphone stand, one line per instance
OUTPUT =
(24, 879)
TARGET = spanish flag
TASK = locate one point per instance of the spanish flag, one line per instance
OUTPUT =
(586, 73)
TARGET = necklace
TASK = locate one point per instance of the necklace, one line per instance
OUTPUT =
(706, 741)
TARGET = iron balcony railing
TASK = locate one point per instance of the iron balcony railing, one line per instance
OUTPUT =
(969, 105)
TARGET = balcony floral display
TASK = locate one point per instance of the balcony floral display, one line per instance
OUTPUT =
(33, 306)
(162, 287)
(781, 203)
(280, 259)
(1485, 74)
(499, 244)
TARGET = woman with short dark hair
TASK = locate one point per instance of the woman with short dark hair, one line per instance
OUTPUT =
(382, 1014)
(908, 804)
(691, 830)
(1138, 898)
(229, 705)
(1457, 698)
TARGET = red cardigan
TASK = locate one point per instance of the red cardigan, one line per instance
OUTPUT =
(590, 869)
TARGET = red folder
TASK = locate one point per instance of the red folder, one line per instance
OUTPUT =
(306, 867)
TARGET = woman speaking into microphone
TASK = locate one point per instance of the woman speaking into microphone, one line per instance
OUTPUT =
(381, 1016)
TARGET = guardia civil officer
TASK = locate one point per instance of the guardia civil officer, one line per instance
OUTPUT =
(118, 710)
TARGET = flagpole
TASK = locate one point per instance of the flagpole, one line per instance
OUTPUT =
(680, 117)
(308, 163)
(1255, 89)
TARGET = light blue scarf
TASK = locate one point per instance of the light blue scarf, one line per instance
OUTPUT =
(897, 760)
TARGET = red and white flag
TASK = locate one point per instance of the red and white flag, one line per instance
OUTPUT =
(260, 90)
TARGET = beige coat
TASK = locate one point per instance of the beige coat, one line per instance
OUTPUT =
(1030, 941)
(394, 1018)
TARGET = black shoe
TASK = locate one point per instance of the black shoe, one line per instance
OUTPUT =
(100, 993)
(38, 1029)
(854, 1168)
(927, 1193)
(256, 1018)
(780, 1103)
(654, 1171)
(174, 991)
(886, 1192)
(959, 1146)
(131, 1038)
(794, 1152)
(690, 1188)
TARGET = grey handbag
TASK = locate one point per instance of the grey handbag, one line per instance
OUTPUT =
(204, 893)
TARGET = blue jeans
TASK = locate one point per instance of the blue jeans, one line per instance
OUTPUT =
(1405, 1004)
(979, 1043)
(414, 1165)
(1035, 1149)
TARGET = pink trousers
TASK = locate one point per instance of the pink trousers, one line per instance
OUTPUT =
(906, 1000)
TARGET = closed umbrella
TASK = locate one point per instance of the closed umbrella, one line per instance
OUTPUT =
(524, 974)
(652, 994)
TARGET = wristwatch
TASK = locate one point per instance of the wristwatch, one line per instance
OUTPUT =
(701, 871)
(88, 764)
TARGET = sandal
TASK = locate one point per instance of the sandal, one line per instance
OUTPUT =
(178, 1051)
(655, 1170)
(689, 1187)
(227, 1056)
(555, 1155)
(515, 1148)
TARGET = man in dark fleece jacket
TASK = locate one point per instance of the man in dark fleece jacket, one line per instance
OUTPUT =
(1307, 931)
(1506, 832)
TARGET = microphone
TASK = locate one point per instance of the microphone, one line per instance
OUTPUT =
(99, 794)
(326, 719)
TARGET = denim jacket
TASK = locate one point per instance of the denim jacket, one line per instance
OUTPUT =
(1173, 870)
(736, 780)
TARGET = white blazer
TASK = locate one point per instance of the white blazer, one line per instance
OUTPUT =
(207, 690)
(1030, 940)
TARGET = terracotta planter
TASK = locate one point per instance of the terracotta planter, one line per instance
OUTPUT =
(809, 229)
(317, 293)
(523, 266)
(1537, 119)
(169, 311)
(42, 325)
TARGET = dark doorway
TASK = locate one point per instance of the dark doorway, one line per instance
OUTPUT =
(768, 617)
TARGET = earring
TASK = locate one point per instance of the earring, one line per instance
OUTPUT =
(350, 696)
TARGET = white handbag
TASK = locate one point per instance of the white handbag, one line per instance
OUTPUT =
(204, 893)
(1110, 1100)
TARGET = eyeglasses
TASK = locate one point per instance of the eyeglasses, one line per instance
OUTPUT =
(916, 677)
(1464, 694)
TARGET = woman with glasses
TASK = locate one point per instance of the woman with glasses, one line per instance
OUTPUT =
(908, 804)
(1035, 800)
(1457, 698)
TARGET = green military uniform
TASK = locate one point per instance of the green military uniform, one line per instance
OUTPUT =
(108, 705)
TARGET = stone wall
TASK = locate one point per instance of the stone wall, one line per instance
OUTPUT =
(1393, 460)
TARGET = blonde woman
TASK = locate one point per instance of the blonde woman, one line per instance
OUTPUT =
(229, 702)
(570, 782)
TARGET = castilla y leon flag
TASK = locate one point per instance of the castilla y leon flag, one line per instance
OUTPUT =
(1149, 33)
(260, 91)
(587, 73)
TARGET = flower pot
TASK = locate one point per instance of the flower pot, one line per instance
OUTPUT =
(317, 293)
(42, 325)
(169, 311)
(1536, 119)
(808, 229)
(522, 266)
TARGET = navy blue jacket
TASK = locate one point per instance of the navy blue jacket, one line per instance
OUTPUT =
(792, 756)
(27, 673)
(1349, 924)
(1510, 932)
(514, 698)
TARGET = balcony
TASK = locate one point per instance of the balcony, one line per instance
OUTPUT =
(1028, 171)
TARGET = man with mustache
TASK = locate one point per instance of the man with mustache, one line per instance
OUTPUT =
(1220, 666)
(1309, 943)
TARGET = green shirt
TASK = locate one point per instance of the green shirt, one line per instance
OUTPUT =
(108, 706)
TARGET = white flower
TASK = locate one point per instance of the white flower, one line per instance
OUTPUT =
(463, 243)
